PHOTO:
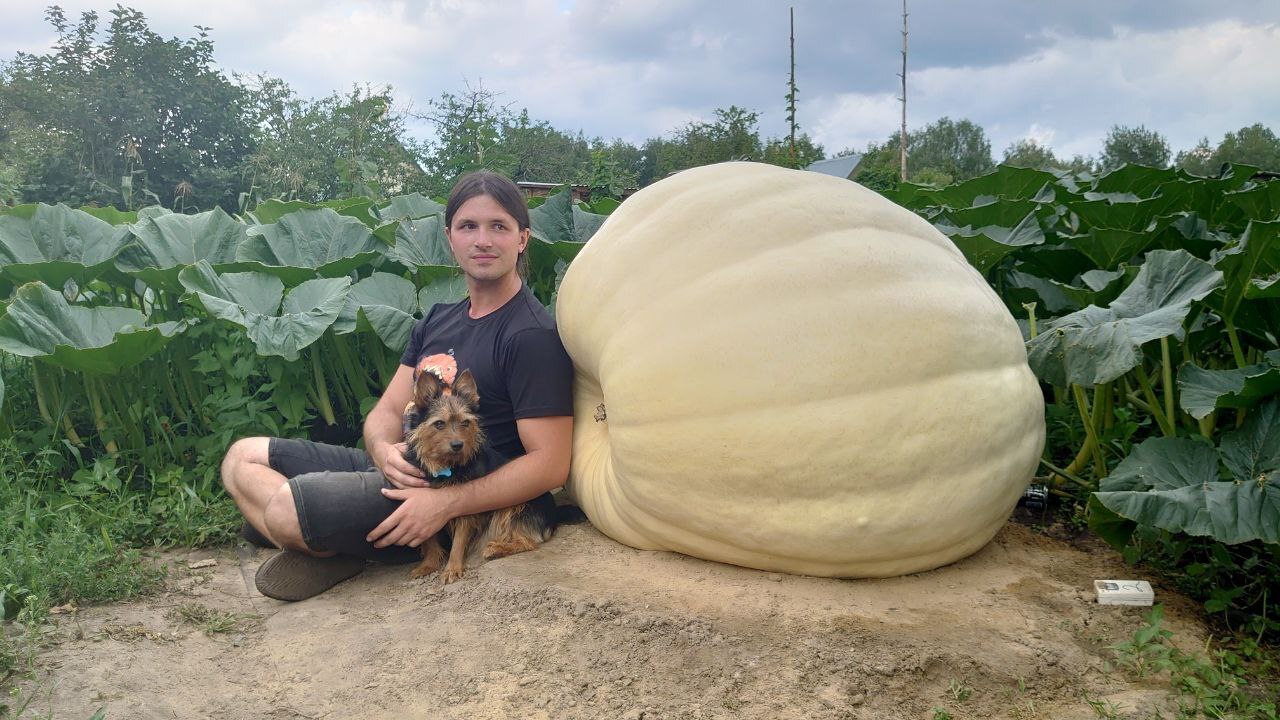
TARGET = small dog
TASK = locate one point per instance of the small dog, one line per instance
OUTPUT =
(446, 441)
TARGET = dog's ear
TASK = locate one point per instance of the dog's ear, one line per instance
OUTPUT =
(464, 387)
(427, 388)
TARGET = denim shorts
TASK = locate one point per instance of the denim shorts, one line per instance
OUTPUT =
(338, 494)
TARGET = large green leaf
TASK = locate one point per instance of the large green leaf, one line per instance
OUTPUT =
(1255, 257)
(1201, 391)
(1108, 247)
(111, 215)
(383, 303)
(39, 323)
(56, 244)
(1259, 203)
(559, 220)
(421, 242)
(270, 211)
(448, 289)
(985, 246)
(1252, 453)
(1139, 180)
(278, 324)
(307, 243)
(1123, 214)
(1007, 182)
(165, 244)
(1097, 345)
(1174, 484)
(408, 207)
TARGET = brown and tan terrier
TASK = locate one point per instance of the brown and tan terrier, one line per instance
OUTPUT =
(442, 430)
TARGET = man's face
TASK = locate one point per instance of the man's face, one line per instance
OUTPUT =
(485, 239)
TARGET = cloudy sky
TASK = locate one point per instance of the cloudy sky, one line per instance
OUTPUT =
(1060, 71)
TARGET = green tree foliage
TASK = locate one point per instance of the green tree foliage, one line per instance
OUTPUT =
(1253, 145)
(468, 129)
(958, 149)
(352, 144)
(1028, 153)
(945, 151)
(777, 151)
(1133, 145)
(536, 151)
(127, 119)
(732, 135)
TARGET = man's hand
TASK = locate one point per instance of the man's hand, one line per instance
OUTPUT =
(389, 458)
(422, 514)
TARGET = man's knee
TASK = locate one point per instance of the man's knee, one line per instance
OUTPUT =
(245, 451)
(281, 518)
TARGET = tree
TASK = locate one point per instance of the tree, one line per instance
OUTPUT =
(128, 120)
(1253, 145)
(943, 152)
(352, 144)
(536, 151)
(1197, 160)
(777, 151)
(731, 136)
(1029, 154)
(468, 129)
(1133, 145)
(957, 148)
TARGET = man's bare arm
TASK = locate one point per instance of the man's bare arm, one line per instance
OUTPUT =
(384, 432)
(544, 466)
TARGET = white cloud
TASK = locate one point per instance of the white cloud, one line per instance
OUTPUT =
(619, 68)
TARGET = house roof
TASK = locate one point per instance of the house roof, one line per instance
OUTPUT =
(840, 167)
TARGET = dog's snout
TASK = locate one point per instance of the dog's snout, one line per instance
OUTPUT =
(456, 445)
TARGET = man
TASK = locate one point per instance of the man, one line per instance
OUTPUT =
(331, 508)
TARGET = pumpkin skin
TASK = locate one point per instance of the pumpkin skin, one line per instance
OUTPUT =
(784, 370)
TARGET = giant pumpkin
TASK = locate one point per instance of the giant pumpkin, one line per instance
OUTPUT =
(786, 371)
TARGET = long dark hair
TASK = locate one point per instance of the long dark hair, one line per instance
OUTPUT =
(503, 191)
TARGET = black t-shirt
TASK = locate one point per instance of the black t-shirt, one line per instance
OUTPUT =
(520, 366)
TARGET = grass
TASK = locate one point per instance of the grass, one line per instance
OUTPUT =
(78, 534)
(210, 621)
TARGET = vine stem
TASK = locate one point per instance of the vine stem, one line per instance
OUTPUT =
(321, 390)
(1153, 404)
(42, 392)
(1065, 474)
(1082, 404)
(99, 420)
(1167, 370)
(1236, 349)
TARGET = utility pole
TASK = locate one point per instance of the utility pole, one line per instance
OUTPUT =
(902, 137)
(791, 90)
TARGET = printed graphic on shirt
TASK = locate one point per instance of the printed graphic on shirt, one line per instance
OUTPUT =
(442, 365)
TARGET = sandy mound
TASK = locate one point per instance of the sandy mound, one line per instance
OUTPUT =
(587, 628)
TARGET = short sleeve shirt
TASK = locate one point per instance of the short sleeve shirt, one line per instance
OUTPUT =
(514, 353)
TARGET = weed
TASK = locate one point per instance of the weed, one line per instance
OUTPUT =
(941, 714)
(1222, 684)
(959, 692)
(211, 621)
(1105, 709)
(19, 643)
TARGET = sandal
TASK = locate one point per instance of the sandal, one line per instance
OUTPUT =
(292, 576)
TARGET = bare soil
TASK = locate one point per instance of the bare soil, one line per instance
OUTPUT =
(587, 628)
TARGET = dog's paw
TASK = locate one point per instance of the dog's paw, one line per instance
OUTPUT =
(449, 575)
(421, 571)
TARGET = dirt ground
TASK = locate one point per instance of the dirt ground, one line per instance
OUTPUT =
(587, 628)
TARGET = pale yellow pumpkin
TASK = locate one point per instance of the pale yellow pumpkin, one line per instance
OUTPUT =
(786, 371)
